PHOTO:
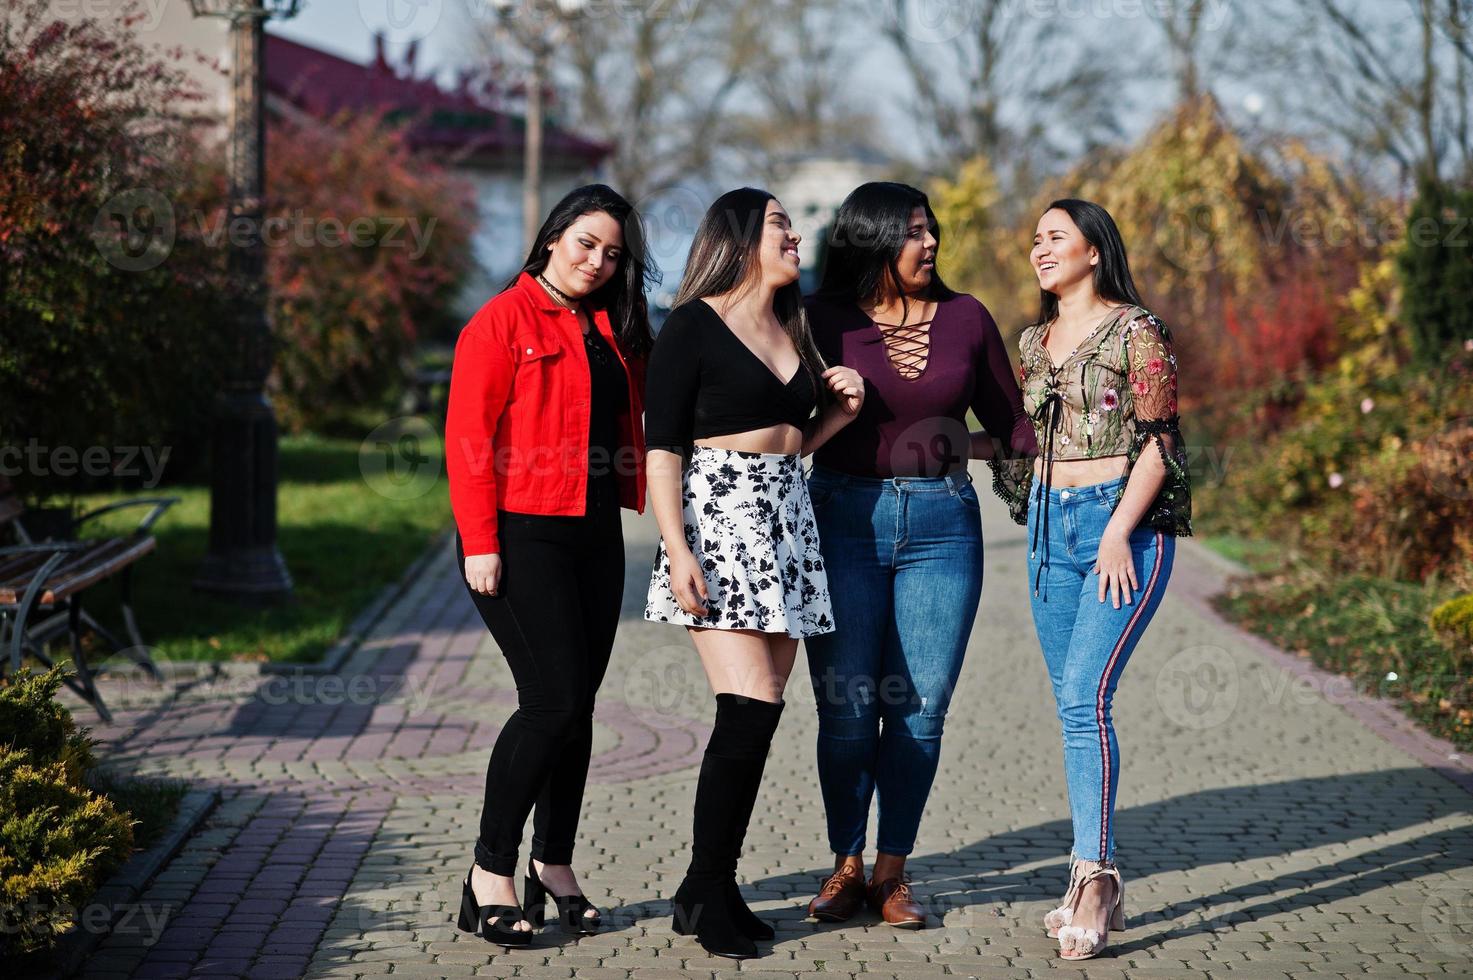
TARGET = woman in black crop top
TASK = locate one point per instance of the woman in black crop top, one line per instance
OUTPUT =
(731, 389)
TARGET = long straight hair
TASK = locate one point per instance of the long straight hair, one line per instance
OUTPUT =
(623, 296)
(1112, 279)
(864, 244)
(725, 257)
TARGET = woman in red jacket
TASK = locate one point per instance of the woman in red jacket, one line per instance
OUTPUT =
(543, 444)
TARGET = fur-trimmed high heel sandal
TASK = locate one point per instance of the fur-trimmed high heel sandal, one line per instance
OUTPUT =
(1080, 942)
(1056, 918)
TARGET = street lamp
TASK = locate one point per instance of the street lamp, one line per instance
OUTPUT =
(243, 560)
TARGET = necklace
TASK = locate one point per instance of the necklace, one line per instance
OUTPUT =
(557, 294)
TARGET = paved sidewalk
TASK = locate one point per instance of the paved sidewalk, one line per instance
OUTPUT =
(1263, 831)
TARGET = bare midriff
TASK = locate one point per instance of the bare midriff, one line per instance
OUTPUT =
(781, 439)
(1083, 472)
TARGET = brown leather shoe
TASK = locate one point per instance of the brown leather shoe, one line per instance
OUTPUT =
(841, 896)
(893, 900)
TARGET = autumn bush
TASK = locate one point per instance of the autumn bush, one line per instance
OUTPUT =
(110, 304)
(369, 246)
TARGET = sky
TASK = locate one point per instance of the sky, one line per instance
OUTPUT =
(1120, 30)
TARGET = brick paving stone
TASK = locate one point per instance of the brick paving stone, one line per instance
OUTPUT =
(1262, 831)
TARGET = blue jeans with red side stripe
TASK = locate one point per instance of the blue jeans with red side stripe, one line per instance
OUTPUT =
(1086, 644)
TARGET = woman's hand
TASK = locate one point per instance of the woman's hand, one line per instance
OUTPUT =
(483, 573)
(687, 582)
(1115, 565)
(847, 386)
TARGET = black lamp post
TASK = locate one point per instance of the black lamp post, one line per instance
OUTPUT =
(243, 560)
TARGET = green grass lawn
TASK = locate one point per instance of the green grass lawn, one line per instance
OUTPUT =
(1260, 556)
(342, 539)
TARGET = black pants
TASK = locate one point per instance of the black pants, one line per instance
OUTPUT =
(554, 617)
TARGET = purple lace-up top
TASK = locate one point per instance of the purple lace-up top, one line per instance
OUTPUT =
(915, 423)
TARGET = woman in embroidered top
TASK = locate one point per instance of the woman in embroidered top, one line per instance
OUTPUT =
(1109, 495)
(901, 530)
(738, 563)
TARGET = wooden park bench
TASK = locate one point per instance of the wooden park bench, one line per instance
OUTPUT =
(42, 584)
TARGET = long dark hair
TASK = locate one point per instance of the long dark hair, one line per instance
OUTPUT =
(725, 257)
(1113, 282)
(623, 295)
(865, 240)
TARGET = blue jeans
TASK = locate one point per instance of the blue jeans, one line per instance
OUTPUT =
(1086, 644)
(904, 561)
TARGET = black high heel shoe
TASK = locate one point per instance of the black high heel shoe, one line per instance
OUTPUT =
(476, 919)
(572, 910)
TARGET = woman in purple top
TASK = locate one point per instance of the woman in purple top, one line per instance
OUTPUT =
(900, 529)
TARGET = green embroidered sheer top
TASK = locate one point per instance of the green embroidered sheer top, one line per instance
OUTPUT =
(1113, 394)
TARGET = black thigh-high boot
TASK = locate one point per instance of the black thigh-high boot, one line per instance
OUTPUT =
(731, 772)
(758, 748)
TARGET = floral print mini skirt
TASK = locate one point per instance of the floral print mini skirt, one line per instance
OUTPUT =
(750, 524)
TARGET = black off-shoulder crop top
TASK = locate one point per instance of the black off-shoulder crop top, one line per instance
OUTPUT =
(702, 381)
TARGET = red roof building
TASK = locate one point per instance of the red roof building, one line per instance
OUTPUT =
(454, 127)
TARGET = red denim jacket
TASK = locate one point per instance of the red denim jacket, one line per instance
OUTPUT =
(516, 433)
